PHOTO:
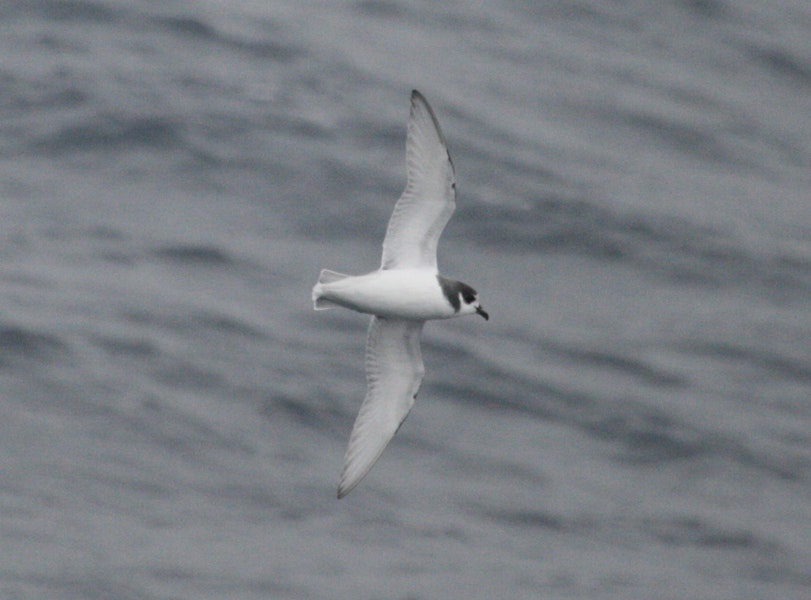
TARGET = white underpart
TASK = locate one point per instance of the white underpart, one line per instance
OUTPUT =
(393, 293)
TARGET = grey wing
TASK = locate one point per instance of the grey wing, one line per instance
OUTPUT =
(394, 373)
(428, 201)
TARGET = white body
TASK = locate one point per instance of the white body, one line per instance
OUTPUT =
(397, 293)
(404, 293)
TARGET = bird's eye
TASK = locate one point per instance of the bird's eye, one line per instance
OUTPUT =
(468, 297)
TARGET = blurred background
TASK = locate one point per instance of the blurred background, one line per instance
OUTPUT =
(633, 422)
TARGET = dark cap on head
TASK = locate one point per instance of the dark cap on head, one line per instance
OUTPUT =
(453, 290)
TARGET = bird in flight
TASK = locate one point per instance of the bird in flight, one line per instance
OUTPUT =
(402, 294)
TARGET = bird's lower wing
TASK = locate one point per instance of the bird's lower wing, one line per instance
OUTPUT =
(394, 373)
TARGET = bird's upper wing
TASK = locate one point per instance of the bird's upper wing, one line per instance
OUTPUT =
(394, 373)
(428, 201)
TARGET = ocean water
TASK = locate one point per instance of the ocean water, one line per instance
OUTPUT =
(634, 207)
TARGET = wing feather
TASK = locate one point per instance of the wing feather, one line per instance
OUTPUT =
(428, 202)
(394, 371)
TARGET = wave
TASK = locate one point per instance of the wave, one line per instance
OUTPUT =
(20, 343)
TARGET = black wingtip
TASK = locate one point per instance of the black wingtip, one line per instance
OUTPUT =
(418, 98)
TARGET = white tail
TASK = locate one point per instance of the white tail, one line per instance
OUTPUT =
(325, 277)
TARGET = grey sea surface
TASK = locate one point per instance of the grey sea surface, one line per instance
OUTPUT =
(634, 207)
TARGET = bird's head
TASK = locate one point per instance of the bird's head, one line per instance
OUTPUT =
(469, 302)
(463, 299)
